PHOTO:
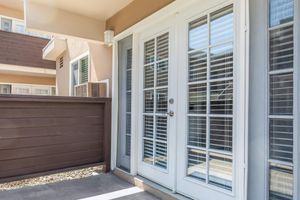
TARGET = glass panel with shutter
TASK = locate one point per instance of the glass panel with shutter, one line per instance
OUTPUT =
(281, 100)
(210, 99)
(124, 102)
(84, 68)
(156, 64)
(128, 100)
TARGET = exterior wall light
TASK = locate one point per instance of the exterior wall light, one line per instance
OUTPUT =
(108, 37)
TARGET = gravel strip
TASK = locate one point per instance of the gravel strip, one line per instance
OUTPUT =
(53, 178)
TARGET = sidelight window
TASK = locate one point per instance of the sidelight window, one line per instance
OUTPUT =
(281, 95)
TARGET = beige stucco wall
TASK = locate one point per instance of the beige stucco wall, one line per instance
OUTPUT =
(57, 21)
(11, 12)
(10, 78)
(133, 13)
(100, 63)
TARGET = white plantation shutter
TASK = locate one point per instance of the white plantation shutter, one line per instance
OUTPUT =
(128, 101)
(210, 99)
(156, 63)
(84, 68)
(281, 95)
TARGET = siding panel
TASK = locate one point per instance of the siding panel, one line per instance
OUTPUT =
(38, 134)
(23, 50)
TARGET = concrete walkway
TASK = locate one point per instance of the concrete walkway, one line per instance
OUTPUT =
(100, 187)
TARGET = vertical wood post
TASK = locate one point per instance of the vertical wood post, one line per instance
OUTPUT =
(107, 136)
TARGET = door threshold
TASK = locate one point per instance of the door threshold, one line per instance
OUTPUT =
(149, 186)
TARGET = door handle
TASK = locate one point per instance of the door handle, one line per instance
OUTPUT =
(170, 113)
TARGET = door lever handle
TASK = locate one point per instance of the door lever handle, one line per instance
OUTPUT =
(170, 113)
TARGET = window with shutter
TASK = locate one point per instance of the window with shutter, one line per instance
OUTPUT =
(79, 72)
(128, 101)
(84, 68)
(210, 99)
(281, 95)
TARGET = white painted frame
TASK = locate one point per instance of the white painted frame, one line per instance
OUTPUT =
(77, 59)
(243, 58)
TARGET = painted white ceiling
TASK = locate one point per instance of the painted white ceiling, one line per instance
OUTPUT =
(15, 4)
(97, 9)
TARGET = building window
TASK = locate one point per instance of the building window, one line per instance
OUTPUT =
(79, 73)
(6, 24)
(210, 99)
(281, 95)
(5, 89)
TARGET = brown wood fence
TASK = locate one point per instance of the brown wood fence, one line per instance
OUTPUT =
(39, 134)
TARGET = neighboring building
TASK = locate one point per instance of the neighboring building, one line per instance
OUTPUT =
(205, 93)
(22, 68)
(82, 68)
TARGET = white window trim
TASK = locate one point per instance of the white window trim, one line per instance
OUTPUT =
(77, 59)
(13, 85)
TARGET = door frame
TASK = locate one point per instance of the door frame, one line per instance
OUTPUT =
(168, 25)
(242, 57)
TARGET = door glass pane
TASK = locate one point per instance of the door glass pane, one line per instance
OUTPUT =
(221, 97)
(221, 61)
(197, 131)
(222, 26)
(281, 11)
(156, 64)
(198, 31)
(162, 73)
(210, 99)
(281, 48)
(281, 140)
(149, 76)
(281, 94)
(197, 98)
(196, 164)
(198, 66)
(220, 173)
(149, 52)
(281, 182)
(221, 133)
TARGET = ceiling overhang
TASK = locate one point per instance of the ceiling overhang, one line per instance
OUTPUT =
(56, 21)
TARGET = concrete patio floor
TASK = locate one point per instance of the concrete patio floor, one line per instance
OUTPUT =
(100, 187)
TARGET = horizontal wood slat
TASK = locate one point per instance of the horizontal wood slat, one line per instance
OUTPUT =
(40, 134)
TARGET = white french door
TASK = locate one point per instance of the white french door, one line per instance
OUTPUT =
(192, 102)
(157, 113)
(206, 146)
